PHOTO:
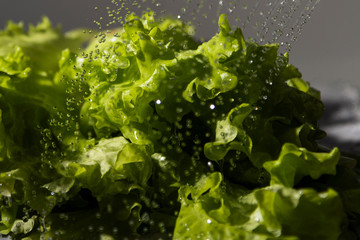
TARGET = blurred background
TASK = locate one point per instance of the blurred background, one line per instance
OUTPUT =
(327, 51)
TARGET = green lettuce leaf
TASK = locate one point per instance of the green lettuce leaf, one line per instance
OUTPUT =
(294, 163)
(215, 209)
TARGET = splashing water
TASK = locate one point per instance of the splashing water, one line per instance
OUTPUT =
(269, 21)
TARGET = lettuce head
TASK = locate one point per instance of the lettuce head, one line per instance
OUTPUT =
(149, 133)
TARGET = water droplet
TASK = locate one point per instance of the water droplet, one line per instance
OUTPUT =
(179, 110)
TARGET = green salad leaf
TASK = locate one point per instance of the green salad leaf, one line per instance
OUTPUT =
(224, 211)
(148, 133)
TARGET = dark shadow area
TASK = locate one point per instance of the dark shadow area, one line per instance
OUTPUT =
(339, 113)
(348, 147)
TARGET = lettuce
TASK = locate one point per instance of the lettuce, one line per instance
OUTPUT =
(149, 133)
(272, 212)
